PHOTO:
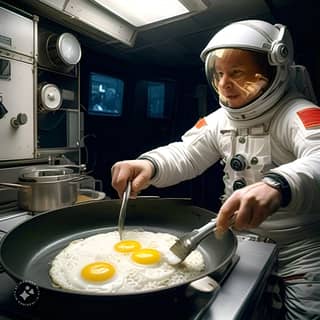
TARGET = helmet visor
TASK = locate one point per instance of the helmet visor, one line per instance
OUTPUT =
(238, 76)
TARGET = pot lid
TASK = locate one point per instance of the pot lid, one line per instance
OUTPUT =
(46, 174)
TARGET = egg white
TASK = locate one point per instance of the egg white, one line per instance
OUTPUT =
(130, 276)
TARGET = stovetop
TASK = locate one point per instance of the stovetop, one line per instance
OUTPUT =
(233, 298)
(191, 304)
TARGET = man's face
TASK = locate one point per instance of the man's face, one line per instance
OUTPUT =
(237, 77)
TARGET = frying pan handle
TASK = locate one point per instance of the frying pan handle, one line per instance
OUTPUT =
(205, 284)
(204, 291)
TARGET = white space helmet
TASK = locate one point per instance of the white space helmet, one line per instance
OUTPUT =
(261, 36)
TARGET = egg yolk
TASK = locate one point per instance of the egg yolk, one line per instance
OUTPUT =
(146, 256)
(98, 271)
(127, 246)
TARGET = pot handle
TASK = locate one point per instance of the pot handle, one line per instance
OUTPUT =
(79, 178)
(80, 167)
(14, 185)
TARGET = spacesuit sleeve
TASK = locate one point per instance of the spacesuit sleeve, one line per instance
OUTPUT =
(185, 159)
(298, 131)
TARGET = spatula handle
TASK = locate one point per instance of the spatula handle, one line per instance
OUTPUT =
(199, 234)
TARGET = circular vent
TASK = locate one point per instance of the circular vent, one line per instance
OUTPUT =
(64, 49)
(50, 98)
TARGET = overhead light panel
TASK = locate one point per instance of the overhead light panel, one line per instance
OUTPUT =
(93, 16)
(123, 19)
(142, 12)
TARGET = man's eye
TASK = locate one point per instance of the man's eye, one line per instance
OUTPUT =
(237, 73)
(219, 75)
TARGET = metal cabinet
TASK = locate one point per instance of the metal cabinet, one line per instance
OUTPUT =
(39, 96)
(17, 86)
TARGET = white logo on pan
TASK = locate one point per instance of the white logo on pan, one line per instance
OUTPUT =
(26, 293)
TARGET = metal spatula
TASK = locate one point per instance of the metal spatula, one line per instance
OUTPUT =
(123, 209)
(188, 242)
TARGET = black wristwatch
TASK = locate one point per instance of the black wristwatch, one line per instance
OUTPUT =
(280, 183)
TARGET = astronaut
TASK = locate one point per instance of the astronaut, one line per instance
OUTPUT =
(267, 134)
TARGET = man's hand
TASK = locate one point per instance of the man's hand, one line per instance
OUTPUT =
(251, 205)
(139, 172)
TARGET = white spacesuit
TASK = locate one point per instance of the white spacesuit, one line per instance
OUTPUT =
(278, 132)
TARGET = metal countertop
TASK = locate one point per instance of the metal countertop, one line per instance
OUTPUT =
(245, 283)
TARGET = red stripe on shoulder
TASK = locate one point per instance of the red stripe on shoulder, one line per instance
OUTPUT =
(310, 117)
(201, 122)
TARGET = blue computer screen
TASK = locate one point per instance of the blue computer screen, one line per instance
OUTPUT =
(156, 99)
(105, 95)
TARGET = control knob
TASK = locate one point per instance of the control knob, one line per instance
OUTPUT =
(18, 121)
(238, 162)
(238, 184)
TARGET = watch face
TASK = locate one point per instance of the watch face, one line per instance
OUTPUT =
(272, 183)
(280, 183)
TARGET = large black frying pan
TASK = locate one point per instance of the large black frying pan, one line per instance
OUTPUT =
(27, 251)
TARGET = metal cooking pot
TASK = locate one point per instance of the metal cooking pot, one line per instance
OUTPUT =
(42, 237)
(45, 188)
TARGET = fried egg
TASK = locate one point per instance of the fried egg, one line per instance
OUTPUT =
(104, 264)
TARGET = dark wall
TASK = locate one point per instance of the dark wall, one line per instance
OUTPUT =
(125, 138)
(302, 19)
(111, 139)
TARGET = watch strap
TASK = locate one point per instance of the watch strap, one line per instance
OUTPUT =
(284, 187)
